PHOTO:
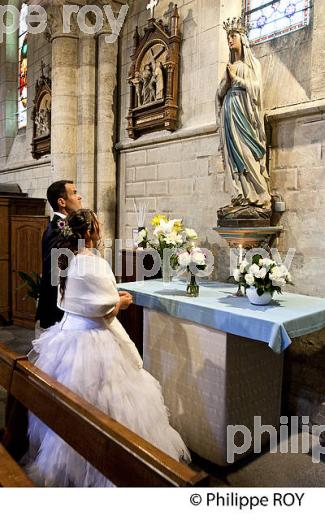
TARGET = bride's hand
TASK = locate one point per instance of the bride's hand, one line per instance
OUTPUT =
(125, 300)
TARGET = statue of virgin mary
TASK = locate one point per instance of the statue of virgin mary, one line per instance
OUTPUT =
(239, 106)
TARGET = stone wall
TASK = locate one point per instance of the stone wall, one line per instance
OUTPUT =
(182, 173)
(179, 173)
(294, 98)
(304, 381)
(16, 161)
(293, 64)
(298, 175)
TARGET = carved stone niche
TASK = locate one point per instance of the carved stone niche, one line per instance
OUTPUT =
(41, 117)
(154, 77)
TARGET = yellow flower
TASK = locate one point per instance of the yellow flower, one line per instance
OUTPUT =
(157, 218)
(178, 226)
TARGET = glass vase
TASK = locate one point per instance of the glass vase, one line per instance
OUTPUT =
(166, 272)
(240, 291)
(193, 288)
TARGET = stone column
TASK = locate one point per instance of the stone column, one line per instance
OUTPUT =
(106, 165)
(317, 53)
(86, 120)
(64, 96)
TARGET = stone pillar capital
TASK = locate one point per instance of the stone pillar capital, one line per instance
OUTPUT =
(60, 23)
(64, 18)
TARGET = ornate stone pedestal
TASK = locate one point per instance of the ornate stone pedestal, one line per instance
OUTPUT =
(249, 237)
(246, 226)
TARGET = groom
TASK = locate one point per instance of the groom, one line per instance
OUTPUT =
(64, 199)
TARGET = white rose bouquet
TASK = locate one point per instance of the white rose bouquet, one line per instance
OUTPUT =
(266, 275)
(194, 257)
(192, 260)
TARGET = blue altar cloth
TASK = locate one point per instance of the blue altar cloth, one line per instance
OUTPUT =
(289, 316)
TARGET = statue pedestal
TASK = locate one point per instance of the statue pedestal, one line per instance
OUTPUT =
(249, 237)
(247, 226)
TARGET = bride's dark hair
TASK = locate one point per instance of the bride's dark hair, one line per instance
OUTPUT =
(75, 228)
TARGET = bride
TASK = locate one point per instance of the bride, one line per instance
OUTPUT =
(90, 353)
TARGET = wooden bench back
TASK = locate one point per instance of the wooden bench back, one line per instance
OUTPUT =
(11, 474)
(119, 454)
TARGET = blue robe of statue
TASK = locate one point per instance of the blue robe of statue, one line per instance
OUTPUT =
(243, 136)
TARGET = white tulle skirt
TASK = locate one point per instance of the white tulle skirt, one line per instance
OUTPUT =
(84, 355)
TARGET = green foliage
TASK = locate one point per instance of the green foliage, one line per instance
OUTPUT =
(33, 282)
(256, 259)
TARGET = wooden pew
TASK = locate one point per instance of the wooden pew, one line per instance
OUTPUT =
(11, 474)
(122, 456)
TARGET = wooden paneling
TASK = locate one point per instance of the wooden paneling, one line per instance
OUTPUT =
(4, 230)
(4, 290)
(4, 261)
(11, 206)
(26, 240)
(27, 206)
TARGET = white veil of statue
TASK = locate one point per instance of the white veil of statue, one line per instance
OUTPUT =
(243, 142)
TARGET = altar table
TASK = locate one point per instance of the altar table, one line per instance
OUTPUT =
(218, 358)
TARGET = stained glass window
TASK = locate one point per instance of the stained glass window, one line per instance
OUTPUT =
(22, 68)
(273, 18)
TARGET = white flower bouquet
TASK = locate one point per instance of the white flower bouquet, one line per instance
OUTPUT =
(192, 261)
(264, 274)
(193, 257)
(167, 234)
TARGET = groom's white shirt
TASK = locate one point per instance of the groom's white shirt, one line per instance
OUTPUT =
(59, 214)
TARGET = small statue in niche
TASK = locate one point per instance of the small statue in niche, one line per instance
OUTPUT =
(243, 141)
(158, 81)
(43, 117)
(147, 89)
(137, 82)
(149, 86)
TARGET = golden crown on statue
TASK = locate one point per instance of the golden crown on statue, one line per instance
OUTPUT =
(236, 25)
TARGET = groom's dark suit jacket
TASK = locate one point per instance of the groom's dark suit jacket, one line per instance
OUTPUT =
(47, 310)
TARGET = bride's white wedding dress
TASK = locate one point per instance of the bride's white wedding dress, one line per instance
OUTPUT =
(94, 357)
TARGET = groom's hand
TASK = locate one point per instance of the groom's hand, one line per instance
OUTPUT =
(125, 300)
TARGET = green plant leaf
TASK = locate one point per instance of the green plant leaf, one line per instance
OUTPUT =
(32, 281)
(256, 259)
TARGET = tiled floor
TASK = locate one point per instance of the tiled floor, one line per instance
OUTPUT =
(266, 470)
(17, 339)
